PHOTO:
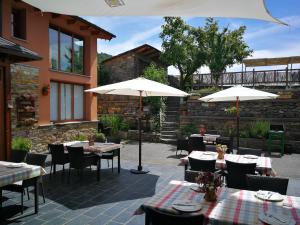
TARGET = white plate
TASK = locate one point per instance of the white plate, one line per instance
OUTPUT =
(269, 196)
(17, 165)
(250, 156)
(209, 153)
(187, 206)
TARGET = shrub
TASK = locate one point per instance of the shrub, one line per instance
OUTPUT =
(21, 143)
(80, 137)
(124, 126)
(187, 130)
(259, 129)
(100, 137)
(115, 122)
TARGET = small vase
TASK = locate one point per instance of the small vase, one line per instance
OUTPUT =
(210, 194)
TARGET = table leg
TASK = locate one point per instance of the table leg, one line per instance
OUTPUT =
(185, 166)
(36, 195)
(119, 161)
(98, 168)
(0, 198)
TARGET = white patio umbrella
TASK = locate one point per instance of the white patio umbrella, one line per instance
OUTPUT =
(143, 88)
(236, 94)
(251, 9)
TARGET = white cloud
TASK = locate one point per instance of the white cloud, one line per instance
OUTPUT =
(292, 21)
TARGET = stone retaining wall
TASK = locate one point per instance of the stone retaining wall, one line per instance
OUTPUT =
(41, 136)
(284, 110)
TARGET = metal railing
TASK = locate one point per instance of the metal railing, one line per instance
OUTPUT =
(284, 77)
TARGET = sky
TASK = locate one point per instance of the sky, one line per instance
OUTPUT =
(265, 38)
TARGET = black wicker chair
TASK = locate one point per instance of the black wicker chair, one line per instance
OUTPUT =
(249, 151)
(276, 184)
(182, 144)
(21, 186)
(111, 154)
(190, 175)
(58, 155)
(79, 160)
(157, 217)
(196, 144)
(236, 174)
(202, 165)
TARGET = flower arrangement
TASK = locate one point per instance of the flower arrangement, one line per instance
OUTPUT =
(221, 150)
(209, 183)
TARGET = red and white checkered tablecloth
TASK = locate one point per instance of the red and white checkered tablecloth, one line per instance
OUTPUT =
(232, 206)
(263, 164)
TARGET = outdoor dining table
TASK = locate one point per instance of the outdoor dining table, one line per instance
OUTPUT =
(263, 164)
(98, 148)
(10, 173)
(233, 206)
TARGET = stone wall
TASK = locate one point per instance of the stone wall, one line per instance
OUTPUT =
(24, 80)
(41, 136)
(284, 110)
(121, 68)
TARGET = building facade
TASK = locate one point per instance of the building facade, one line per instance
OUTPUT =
(47, 96)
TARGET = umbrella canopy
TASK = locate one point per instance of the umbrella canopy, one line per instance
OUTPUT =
(137, 87)
(240, 92)
(254, 9)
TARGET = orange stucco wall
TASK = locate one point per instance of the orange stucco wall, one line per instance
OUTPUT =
(37, 39)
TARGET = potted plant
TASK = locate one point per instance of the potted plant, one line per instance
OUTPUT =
(100, 137)
(45, 90)
(20, 147)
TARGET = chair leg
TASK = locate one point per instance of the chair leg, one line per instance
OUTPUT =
(28, 194)
(42, 189)
(63, 168)
(112, 165)
(69, 174)
(22, 202)
(51, 169)
(107, 163)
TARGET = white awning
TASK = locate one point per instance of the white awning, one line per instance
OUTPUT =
(249, 9)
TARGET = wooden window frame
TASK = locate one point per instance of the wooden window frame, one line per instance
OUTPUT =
(72, 35)
(24, 23)
(59, 120)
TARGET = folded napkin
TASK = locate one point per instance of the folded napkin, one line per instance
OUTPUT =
(276, 218)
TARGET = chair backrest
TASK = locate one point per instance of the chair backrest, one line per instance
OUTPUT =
(157, 217)
(36, 159)
(115, 140)
(276, 184)
(182, 144)
(249, 151)
(57, 152)
(76, 157)
(190, 175)
(196, 144)
(211, 148)
(236, 177)
(202, 165)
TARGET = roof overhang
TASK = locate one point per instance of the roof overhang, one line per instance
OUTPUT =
(271, 61)
(15, 52)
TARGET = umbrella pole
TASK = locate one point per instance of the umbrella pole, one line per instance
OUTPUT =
(140, 168)
(237, 123)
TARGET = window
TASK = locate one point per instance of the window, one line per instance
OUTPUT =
(66, 52)
(66, 102)
(18, 23)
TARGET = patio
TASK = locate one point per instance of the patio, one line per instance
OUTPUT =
(114, 199)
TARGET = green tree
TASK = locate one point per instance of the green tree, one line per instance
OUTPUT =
(180, 48)
(103, 75)
(158, 74)
(224, 47)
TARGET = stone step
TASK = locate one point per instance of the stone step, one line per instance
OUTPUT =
(172, 113)
(168, 141)
(172, 108)
(168, 136)
(168, 132)
(171, 128)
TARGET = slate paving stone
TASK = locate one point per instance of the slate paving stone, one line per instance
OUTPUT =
(114, 199)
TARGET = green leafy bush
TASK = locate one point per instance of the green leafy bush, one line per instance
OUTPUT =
(187, 130)
(100, 137)
(124, 126)
(80, 137)
(21, 143)
(115, 122)
(259, 129)
(208, 90)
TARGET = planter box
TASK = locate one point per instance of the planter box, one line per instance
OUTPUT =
(252, 143)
